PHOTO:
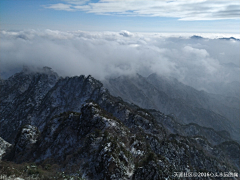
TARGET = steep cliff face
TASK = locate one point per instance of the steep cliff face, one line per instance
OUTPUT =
(75, 123)
(21, 97)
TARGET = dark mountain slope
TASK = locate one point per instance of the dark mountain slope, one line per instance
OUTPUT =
(96, 144)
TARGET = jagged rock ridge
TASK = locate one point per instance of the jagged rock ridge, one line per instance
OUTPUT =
(77, 124)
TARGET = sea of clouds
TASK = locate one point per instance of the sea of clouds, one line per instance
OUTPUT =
(194, 60)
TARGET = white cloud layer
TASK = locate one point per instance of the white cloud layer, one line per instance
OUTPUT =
(194, 61)
(60, 7)
(181, 9)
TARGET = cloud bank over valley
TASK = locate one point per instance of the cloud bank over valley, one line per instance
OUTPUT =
(193, 60)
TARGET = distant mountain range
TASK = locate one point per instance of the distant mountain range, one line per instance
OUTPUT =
(187, 104)
(75, 125)
(223, 38)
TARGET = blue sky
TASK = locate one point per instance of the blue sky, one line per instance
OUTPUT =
(198, 16)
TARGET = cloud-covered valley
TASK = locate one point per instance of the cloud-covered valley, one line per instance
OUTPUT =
(195, 61)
